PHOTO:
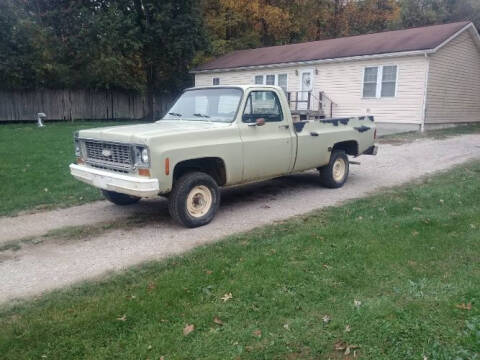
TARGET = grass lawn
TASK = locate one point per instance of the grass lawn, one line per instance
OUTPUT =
(436, 134)
(34, 166)
(394, 276)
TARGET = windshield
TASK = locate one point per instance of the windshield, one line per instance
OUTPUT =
(218, 105)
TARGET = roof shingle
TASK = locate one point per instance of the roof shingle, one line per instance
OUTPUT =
(421, 38)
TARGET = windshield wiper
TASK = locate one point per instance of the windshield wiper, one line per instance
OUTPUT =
(174, 114)
(201, 115)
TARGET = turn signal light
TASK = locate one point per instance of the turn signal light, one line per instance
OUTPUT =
(80, 161)
(167, 166)
(144, 172)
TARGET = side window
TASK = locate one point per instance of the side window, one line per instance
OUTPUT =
(262, 104)
(216, 81)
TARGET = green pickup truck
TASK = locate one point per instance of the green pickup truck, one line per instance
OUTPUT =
(215, 137)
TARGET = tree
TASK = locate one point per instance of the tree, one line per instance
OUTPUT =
(22, 64)
(170, 33)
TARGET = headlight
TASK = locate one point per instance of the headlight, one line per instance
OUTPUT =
(142, 156)
(76, 143)
(145, 158)
(78, 152)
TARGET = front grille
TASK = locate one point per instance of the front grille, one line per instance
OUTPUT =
(108, 155)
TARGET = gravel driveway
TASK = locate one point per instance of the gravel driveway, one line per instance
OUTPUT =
(56, 263)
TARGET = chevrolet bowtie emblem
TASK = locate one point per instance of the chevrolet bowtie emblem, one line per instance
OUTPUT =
(107, 152)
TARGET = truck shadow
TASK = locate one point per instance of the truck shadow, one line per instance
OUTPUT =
(157, 209)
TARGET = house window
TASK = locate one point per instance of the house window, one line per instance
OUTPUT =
(380, 81)
(370, 82)
(389, 81)
(272, 79)
(282, 81)
(216, 81)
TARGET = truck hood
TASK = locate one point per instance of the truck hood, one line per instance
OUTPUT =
(142, 133)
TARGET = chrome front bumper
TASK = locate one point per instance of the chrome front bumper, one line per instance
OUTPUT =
(121, 183)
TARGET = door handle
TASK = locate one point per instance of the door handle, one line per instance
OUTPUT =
(283, 126)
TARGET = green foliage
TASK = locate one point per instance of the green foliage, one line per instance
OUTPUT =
(123, 44)
(395, 276)
(150, 45)
(427, 12)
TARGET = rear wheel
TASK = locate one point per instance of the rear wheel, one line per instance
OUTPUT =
(119, 199)
(194, 199)
(335, 173)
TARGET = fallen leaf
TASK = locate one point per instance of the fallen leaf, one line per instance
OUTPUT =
(326, 266)
(227, 297)
(257, 333)
(357, 303)
(349, 348)
(340, 346)
(415, 233)
(209, 272)
(472, 226)
(464, 306)
(46, 190)
(417, 209)
(217, 321)
(348, 328)
(442, 201)
(188, 329)
(149, 347)
(151, 286)
(286, 327)
(326, 319)
(122, 318)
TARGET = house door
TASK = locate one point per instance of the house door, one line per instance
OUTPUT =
(306, 86)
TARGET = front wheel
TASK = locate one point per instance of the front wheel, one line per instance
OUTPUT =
(194, 199)
(119, 199)
(335, 173)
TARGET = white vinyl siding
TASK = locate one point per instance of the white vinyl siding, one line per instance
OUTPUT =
(453, 93)
(343, 83)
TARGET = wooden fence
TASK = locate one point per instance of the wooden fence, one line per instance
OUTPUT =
(78, 104)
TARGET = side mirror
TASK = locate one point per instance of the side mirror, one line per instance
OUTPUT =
(260, 122)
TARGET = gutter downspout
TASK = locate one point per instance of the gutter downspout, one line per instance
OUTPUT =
(425, 91)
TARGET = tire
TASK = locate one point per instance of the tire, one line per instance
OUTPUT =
(194, 200)
(119, 199)
(335, 174)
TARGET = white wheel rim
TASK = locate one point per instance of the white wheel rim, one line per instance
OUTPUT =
(199, 201)
(339, 168)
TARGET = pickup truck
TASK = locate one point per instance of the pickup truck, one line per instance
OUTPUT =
(215, 137)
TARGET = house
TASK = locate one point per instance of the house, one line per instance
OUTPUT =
(409, 79)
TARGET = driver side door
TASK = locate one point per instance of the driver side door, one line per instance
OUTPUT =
(268, 147)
